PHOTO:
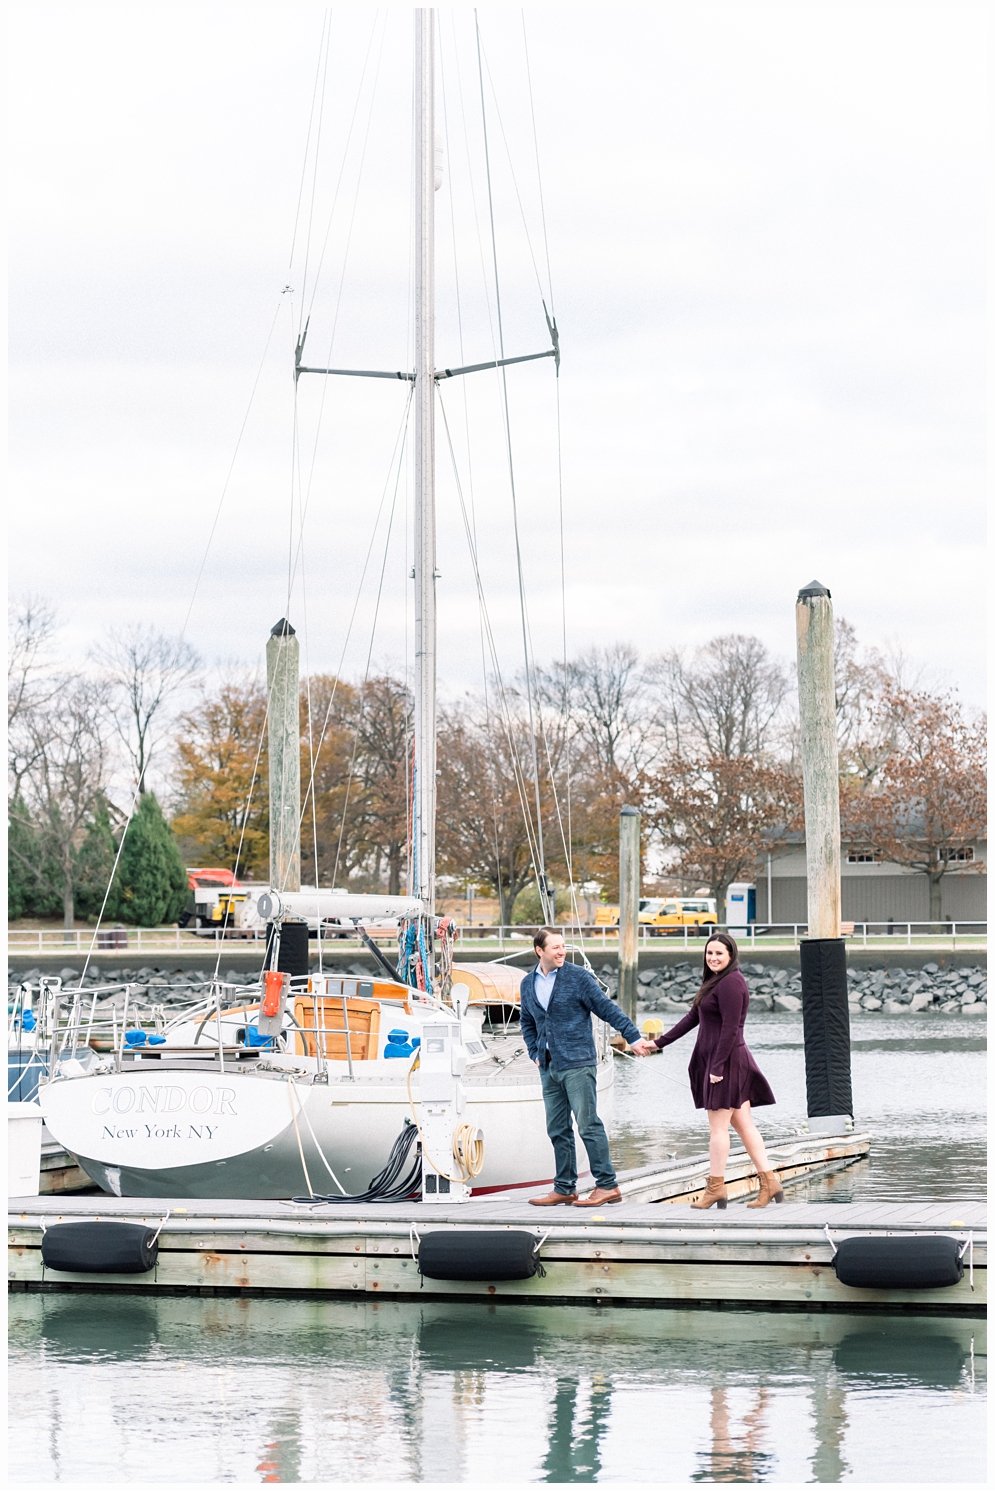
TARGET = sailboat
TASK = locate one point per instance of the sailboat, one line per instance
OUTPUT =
(321, 1085)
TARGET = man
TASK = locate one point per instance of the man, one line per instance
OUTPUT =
(557, 999)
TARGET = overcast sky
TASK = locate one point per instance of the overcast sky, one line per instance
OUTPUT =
(765, 238)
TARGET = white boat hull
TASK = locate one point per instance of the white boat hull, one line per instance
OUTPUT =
(197, 1134)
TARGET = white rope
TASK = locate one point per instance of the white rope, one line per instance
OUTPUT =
(300, 1144)
(315, 1138)
(162, 1223)
(830, 1238)
(412, 1236)
(968, 1245)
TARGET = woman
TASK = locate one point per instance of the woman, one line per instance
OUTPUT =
(725, 1080)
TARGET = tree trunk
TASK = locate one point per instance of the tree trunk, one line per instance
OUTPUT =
(68, 909)
(394, 869)
(935, 896)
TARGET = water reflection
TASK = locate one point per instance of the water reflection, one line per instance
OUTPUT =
(459, 1393)
(577, 1422)
(736, 1456)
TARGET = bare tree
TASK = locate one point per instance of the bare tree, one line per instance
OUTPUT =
(723, 700)
(384, 746)
(872, 688)
(612, 711)
(31, 625)
(487, 828)
(67, 775)
(145, 670)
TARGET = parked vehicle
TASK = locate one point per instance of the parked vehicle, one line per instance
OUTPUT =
(215, 899)
(607, 916)
(663, 914)
(699, 912)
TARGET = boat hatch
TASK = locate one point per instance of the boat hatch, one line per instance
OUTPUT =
(366, 989)
(326, 1037)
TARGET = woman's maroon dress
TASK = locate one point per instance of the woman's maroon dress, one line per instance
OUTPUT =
(721, 1049)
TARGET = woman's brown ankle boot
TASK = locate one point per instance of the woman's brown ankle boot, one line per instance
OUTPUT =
(715, 1193)
(770, 1187)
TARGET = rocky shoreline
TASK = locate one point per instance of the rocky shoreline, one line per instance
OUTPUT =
(892, 992)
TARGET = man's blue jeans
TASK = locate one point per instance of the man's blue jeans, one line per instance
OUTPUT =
(575, 1092)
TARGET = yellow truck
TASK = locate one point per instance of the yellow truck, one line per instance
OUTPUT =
(663, 915)
(694, 912)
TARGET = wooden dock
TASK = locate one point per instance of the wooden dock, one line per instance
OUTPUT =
(659, 1253)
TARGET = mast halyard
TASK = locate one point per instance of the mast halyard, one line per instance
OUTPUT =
(422, 873)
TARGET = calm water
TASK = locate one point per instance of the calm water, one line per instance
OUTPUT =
(201, 1390)
(185, 1389)
(919, 1087)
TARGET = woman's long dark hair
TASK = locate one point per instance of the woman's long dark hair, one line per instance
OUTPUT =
(710, 980)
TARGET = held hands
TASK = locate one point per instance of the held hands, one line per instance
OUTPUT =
(644, 1048)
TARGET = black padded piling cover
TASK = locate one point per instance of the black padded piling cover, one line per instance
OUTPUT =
(826, 1020)
(478, 1255)
(100, 1245)
(900, 1262)
(287, 947)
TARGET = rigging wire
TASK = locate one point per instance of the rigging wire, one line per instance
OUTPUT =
(369, 657)
(466, 403)
(327, 35)
(506, 722)
(186, 619)
(466, 412)
(314, 758)
(541, 869)
(338, 305)
(345, 152)
(568, 841)
(325, 22)
(397, 455)
(511, 168)
(535, 143)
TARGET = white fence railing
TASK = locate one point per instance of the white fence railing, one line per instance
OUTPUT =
(56, 941)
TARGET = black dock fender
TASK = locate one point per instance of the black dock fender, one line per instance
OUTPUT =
(916, 1262)
(108, 1245)
(480, 1255)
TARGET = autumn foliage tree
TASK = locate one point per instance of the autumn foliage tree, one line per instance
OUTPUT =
(483, 828)
(330, 813)
(927, 800)
(222, 815)
(717, 814)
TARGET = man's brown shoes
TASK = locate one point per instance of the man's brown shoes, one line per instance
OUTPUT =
(552, 1199)
(598, 1197)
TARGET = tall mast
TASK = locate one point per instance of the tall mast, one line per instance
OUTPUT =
(425, 728)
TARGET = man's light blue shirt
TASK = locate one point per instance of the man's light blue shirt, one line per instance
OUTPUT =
(544, 985)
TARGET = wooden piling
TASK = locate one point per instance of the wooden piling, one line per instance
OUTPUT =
(628, 913)
(284, 730)
(820, 758)
(825, 1013)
